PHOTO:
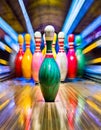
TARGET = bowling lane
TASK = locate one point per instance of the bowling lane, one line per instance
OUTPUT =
(77, 107)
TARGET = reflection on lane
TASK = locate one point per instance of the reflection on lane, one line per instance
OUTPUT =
(23, 102)
(77, 107)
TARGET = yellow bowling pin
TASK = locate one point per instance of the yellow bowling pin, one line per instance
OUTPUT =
(27, 59)
(53, 45)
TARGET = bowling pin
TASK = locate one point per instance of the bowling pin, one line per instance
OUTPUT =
(71, 57)
(80, 56)
(53, 45)
(18, 60)
(37, 57)
(61, 57)
(27, 59)
(49, 74)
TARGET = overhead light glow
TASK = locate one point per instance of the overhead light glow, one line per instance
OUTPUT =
(2, 46)
(8, 29)
(5, 47)
(94, 61)
(71, 11)
(93, 69)
(11, 43)
(4, 62)
(92, 46)
(72, 16)
(27, 20)
(80, 15)
(89, 48)
(77, 11)
(91, 27)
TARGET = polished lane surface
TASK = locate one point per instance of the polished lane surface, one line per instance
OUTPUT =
(77, 107)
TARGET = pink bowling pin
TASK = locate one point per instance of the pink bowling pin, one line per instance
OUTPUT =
(37, 57)
(61, 57)
(71, 57)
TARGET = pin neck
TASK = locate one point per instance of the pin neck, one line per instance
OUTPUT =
(71, 47)
(20, 47)
(27, 45)
(78, 46)
(49, 46)
(53, 45)
(61, 45)
(37, 46)
(49, 49)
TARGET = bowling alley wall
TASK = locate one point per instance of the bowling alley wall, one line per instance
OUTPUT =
(92, 54)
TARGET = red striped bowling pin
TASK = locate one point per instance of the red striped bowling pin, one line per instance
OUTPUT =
(71, 57)
(19, 56)
(61, 57)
